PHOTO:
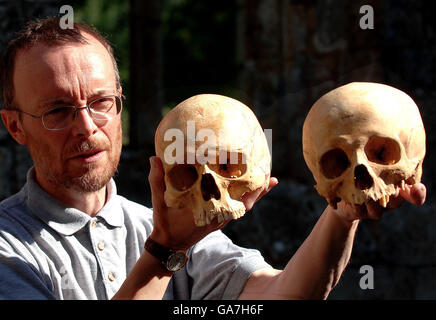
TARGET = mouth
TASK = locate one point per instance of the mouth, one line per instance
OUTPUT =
(88, 156)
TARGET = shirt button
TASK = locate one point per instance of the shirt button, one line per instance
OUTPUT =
(100, 245)
(93, 224)
(111, 277)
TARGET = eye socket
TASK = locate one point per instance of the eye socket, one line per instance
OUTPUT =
(231, 165)
(102, 105)
(57, 116)
(334, 163)
(183, 176)
(382, 150)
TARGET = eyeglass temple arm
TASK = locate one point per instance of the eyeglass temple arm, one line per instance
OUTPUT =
(29, 114)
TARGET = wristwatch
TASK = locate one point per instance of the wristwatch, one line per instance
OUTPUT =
(172, 260)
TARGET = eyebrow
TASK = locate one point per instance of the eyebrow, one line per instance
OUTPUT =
(67, 100)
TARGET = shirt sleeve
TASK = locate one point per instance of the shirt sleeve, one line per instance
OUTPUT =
(217, 269)
(19, 280)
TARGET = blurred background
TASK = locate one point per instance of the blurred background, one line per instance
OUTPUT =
(278, 57)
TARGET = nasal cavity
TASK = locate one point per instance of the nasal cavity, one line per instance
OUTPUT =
(209, 189)
(362, 178)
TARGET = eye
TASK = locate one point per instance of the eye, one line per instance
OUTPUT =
(55, 116)
(103, 105)
(382, 150)
(334, 163)
(183, 176)
(58, 111)
(230, 165)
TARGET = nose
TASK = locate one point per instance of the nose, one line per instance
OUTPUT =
(209, 189)
(362, 178)
(83, 124)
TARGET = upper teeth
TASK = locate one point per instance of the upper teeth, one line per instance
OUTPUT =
(384, 200)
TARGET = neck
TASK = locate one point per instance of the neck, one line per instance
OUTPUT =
(87, 202)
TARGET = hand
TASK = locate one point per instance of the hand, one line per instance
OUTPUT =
(414, 194)
(250, 198)
(175, 228)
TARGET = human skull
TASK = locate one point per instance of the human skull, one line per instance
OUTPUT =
(362, 141)
(213, 151)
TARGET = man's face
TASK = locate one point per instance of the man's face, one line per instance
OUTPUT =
(84, 156)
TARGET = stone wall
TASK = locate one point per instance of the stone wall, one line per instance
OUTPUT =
(290, 54)
(293, 53)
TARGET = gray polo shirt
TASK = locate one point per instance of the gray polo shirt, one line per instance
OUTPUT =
(49, 251)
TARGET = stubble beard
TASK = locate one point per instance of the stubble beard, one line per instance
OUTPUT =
(92, 179)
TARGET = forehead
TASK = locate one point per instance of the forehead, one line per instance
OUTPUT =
(43, 69)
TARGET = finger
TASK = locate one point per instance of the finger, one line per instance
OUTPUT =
(272, 183)
(250, 198)
(415, 194)
(157, 183)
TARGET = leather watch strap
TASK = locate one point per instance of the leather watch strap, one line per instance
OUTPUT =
(171, 259)
(159, 251)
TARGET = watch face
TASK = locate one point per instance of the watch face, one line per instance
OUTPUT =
(176, 261)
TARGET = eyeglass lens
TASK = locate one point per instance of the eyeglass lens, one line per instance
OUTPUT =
(101, 110)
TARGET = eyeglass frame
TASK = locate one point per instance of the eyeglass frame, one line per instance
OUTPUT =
(76, 109)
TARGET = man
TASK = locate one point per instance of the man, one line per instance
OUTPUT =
(68, 235)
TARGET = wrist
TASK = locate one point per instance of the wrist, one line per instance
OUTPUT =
(165, 240)
(341, 214)
(162, 271)
(171, 259)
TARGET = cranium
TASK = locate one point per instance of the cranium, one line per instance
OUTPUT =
(213, 150)
(362, 141)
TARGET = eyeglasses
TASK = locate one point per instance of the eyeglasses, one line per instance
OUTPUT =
(101, 110)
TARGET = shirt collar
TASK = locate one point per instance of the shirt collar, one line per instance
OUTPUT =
(67, 220)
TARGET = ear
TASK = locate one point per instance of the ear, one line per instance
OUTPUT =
(13, 125)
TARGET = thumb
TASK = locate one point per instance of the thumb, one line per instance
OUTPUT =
(157, 183)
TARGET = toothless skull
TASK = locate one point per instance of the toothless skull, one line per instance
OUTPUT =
(237, 159)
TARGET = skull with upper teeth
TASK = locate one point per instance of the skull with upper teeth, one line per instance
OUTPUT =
(213, 151)
(363, 141)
